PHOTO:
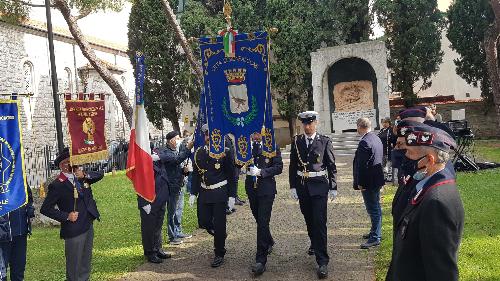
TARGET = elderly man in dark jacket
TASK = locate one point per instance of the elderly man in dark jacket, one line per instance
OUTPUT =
(14, 230)
(76, 210)
(369, 178)
(172, 159)
(429, 231)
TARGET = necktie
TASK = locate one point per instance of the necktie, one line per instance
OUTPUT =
(309, 142)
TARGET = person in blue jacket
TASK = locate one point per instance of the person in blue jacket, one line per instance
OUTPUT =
(15, 227)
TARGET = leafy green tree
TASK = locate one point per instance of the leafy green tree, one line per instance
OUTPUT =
(413, 29)
(468, 21)
(169, 82)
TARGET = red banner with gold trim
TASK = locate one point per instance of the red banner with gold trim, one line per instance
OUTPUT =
(86, 120)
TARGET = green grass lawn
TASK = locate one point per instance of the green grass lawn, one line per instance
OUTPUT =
(479, 254)
(488, 150)
(117, 241)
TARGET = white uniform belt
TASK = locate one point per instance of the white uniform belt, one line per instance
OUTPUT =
(214, 186)
(311, 174)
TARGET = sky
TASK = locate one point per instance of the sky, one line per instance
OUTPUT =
(112, 26)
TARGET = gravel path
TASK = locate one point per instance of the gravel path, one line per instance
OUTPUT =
(347, 221)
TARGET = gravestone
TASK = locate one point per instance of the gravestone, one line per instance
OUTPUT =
(350, 82)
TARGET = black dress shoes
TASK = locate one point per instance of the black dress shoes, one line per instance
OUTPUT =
(310, 251)
(322, 271)
(258, 269)
(154, 259)
(218, 261)
(162, 255)
(366, 236)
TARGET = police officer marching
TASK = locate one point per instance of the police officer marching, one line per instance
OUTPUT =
(312, 181)
(260, 186)
(214, 184)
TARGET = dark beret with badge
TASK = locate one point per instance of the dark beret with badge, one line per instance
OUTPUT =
(425, 135)
(418, 111)
(63, 155)
(308, 117)
(172, 135)
(406, 126)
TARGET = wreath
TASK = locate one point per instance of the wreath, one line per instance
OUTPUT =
(243, 120)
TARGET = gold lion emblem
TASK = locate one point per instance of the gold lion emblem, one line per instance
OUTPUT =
(88, 128)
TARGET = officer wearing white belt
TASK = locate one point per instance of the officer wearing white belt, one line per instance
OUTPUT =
(214, 184)
(312, 181)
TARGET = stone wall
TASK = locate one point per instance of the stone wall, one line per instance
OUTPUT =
(481, 117)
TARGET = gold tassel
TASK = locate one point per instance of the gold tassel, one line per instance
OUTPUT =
(75, 195)
(41, 191)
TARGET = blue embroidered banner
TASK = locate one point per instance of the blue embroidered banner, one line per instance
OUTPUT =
(237, 94)
(13, 187)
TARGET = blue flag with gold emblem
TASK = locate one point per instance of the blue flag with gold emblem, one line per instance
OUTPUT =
(13, 187)
(237, 94)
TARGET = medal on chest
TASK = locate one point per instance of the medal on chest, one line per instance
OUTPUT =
(217, 165)
(267, 160)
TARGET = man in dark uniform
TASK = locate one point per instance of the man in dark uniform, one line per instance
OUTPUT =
(260, 186)
(312, 181)
(368, 176)
(153, 214)
(214, 184)
(429, 231)
(77, 210)
(14, 230)
(172, 159)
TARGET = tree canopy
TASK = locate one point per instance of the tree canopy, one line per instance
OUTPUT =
(169, 82)
(468, 21)
(413, 38)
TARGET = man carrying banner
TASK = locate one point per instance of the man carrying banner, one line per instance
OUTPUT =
(214, 184)
(260, 186)
(77, 210)
(312, 181)
(153, 214)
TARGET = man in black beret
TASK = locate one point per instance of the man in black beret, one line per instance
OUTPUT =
(428, 233)
(172, 156)
(77, 210)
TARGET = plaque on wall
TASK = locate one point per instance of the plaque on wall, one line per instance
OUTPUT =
(353, 96)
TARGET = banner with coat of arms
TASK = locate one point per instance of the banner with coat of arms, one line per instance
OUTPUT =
(86, 120)
(13, 187)
(237, 96)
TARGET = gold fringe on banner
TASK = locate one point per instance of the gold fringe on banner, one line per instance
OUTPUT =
(88, 157)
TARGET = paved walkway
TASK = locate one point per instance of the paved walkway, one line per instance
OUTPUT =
(347, 221)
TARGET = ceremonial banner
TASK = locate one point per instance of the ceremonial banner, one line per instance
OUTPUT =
(86, 120)
(199, 136)
(237, 93)
(13, 187)
(139, 161)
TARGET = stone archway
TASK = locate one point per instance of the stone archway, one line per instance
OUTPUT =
(335, 71)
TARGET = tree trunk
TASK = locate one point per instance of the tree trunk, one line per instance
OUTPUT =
(89, 53)
(182, 40)
(490, 43)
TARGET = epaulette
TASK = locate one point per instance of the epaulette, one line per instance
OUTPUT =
(62, 177)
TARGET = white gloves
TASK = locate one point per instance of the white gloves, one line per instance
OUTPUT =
(254, 171)
(293, 193)
(155, 157)
(147, 209)
(192, 198)
(332, 194)
(230, 203)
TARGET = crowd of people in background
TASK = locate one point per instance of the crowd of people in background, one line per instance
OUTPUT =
(414, 154)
